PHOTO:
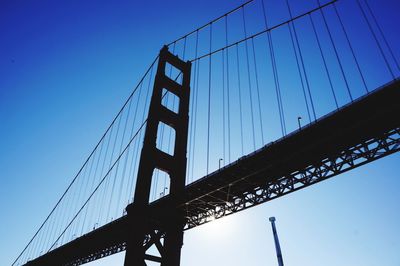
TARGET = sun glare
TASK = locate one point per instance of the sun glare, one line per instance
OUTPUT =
(217, 228)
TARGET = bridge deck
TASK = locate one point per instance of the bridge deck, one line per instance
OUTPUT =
(363, 131)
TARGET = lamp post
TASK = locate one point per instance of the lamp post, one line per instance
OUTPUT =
(277, 246)
(298, 121)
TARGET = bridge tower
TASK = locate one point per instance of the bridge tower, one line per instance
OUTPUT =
(163, 230)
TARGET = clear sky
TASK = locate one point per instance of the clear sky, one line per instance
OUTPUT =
(66, 67)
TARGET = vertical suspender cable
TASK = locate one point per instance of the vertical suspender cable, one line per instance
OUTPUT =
(376, 39)
(132, 169)
(258, 91)
(240, 99)
(93, 183)
(191, 137)
(278, 87)
(95, 190)
(109, 165)
(76, 229)
(124, 172)
(223, 105)
(192, 132)
(350, 46)
(39, 243)
(184, 49)
(111, 162)
(275, 73)
(117, 209)
(141, 131)
(29, 252)
(324, 60)
(300, 74)
(51, 228)
(227, 89)
(75, 200)
(131, 173)
(249, 79)
(102, 168)
(195, 116)
(47, 238)
(382, 34)
(301, 59)
(35, 246)
(73, 180)
(87, 184)
(209, 103)
(335, 50)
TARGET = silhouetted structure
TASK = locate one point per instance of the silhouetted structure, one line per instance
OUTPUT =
(146, 226)
(364, 130)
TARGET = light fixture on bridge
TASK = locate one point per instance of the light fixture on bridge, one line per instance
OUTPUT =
(219, 163)
(298, 121)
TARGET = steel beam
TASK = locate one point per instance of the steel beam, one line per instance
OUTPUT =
(357, 134)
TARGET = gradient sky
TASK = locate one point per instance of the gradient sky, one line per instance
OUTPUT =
(66, 67)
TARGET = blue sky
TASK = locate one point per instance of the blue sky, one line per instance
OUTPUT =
(66, 68)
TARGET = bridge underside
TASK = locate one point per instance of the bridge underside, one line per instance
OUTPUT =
(361, 132)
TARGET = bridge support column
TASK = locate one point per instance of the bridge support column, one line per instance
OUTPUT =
(164, 231)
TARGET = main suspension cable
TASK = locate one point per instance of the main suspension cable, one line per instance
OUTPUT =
(265, 30)
(211, 22)
(84, 164)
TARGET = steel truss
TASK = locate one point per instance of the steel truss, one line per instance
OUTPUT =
(153, 238)
(359, 133)
(354, 157)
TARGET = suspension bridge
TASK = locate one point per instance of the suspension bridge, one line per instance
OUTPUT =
(235, 113)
